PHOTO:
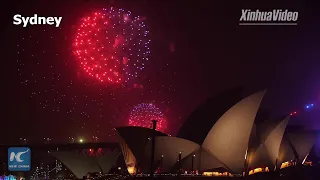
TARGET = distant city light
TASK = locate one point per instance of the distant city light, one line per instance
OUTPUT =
(293, 113)
(80, 140)
(309, 106)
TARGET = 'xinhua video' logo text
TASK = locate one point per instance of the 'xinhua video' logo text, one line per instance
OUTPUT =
(274, 17)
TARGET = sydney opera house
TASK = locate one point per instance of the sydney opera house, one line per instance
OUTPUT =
(222, 137)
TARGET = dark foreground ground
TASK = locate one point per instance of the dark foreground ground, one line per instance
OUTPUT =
(294, 173)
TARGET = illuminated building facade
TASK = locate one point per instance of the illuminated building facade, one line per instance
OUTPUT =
(173, 153)
(225, 141)
(226, 144)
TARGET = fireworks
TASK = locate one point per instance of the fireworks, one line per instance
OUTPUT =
(112, 46)
(142, 115)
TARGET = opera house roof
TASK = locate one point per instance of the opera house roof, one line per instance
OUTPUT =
(222, 133)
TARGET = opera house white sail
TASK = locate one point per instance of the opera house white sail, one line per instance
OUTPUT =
(273, 140)
(229, 138)
(80, 165)
(267, 153)
(133, 141)
(167, 152)
(302, 142)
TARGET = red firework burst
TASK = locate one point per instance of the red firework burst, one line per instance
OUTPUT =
(111, 45)
(142, 115)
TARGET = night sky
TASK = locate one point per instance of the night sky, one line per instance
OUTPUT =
(197, 49)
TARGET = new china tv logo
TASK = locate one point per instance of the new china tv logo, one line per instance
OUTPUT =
(19, 159)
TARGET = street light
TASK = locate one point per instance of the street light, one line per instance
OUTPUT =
(47, 140)
(161, 161)
(192, 162)
(23, 140)
(95, 138)
(179, 162)
(72, 139)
